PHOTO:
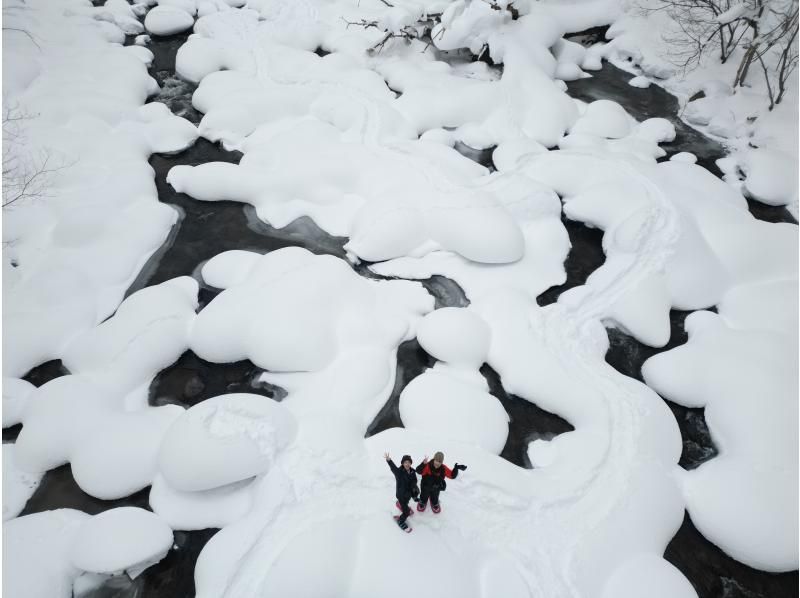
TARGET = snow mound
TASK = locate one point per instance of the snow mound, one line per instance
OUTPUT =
(114, 436)
(640, 82)
(686, 157)
(217, 507)
(167, 20)
(745, 499)
(456, 336)
(444, 405)
(634, 579)
(120, 456)
(122, 539)
(603, 118)
(298, 310)
(405, 214)
(771, 176)
(223, 440)
(229, 268)
(37, 554)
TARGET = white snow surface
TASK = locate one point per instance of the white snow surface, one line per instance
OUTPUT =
(734, 371)
(18, 486)
(223, 440)
(456, 336)
(36, 554)
(97, 547)
(329, 138)
(217, 507)
(112, 442)
(167, 20)
(77, 97)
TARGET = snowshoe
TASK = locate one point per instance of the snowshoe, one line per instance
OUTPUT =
(420, 507)
(436, 508)
(403, 526)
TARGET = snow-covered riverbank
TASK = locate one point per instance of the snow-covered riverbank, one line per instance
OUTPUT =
(334, 138)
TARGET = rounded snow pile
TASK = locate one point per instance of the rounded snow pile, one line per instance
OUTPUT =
(293, 311)
(771, 176)
(448, 407)
(167, 20)
(121, 539)
(604, 118)
(224, 440)
(455, 335)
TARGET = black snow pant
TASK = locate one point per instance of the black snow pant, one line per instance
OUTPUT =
(429, 492)
(403, 501)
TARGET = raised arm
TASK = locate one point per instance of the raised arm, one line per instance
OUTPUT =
(452, 473)
(389, 461)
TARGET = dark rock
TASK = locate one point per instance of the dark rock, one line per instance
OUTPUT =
(698, 96)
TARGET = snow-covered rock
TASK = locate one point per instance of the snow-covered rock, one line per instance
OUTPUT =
(224, 440)
(123, 539)
(167, 20)
(444, 405)
(603, 118)
(456, 336)
(37, 552)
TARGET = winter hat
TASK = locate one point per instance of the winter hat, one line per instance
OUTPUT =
(438, 456)
(406, 458)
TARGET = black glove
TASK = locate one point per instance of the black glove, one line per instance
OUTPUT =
(461, 467)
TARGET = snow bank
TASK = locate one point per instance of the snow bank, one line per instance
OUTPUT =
(36, 554)
(298, 310)
(223, 440)
(635, 578)
(743, 499)
(537, 210)
(18, 486)
(97, 547)
(217, 507)
(771, 176)
(113, 440)
(15, 394)
(404, 213)
(79, 246)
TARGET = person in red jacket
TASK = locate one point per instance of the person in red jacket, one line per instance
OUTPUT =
(433, 480)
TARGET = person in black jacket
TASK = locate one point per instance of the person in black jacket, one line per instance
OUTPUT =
(433, 480)
(405, 488)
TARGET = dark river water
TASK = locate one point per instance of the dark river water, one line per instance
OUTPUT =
(206, 229)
